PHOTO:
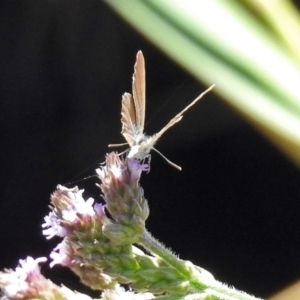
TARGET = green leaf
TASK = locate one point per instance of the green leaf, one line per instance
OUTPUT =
(255, 69)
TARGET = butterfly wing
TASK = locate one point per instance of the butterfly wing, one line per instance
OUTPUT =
(138, 90)
(128, 118)
(179, 116)
(133, 106)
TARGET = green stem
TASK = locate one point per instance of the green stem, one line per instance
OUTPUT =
(200, 279)
(186, 268)
(223, 292)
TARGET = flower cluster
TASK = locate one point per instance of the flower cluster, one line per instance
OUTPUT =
(97, 247)
(26, 282)
(108, 247)
(124, 199)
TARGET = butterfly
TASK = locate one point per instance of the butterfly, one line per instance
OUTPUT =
(133, 116)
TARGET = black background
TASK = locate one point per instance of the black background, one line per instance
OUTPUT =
(234, 209)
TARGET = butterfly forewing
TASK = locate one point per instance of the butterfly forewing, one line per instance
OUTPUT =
(138, 90)
(133, 106)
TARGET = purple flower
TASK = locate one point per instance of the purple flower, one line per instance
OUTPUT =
(118, 170)
(25, 281)
(124, 198)
(69, 212)
(61, 254)
(136, 169)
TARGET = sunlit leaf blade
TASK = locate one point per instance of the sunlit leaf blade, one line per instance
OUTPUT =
(221, 42)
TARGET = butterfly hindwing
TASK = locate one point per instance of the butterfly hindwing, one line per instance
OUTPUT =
(128, 118)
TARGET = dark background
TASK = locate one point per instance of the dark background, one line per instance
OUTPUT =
(234, 209)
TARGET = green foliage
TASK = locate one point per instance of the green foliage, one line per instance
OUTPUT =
(249, 49)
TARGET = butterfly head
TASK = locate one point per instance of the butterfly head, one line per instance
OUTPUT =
(141, 149)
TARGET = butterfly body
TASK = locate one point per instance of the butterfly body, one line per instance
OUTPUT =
(142, 148)
(133, 116)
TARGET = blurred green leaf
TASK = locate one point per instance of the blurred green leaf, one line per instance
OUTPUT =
(239, 46)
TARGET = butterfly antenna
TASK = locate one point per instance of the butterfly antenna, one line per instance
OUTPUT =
(117, 145)
(79, 180)
(179, 116)
(168, 161)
